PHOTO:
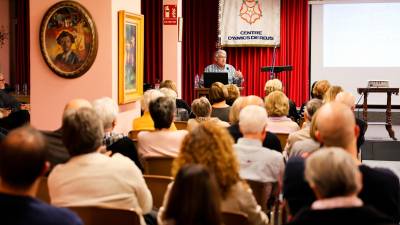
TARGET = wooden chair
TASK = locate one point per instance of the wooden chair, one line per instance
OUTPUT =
(43, 191)
(92, 215)
(265, 193)
(282, 139)
(157, 186)
(230, 218)
(181, 125)
(158, 166)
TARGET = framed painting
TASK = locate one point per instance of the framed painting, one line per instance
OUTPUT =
(68, 39)
(130, 56)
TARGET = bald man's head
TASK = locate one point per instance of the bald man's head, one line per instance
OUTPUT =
(22, 157)
(346, 98)
(336, 126)
(74, 105)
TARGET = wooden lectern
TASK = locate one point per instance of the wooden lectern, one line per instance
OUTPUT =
(389, 92)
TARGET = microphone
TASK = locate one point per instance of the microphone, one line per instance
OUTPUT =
(227, 68)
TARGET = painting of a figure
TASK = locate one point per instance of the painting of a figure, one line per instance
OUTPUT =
(130, 56)
(68, 39)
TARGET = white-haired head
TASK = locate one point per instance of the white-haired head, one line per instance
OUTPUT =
(169, 93)
(107, 109)
(253, 119)
(149, 96)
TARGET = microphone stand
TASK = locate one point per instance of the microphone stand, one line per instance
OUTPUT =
(272, 74)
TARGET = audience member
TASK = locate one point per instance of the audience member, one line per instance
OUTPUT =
(304, 133)
(276, 85)
(180, 103)
(256, 162)
(107, 109)
(145, 122)
(22, 162)
(277, 105)
(233, 93)
(270, 141)
(306, 146)
(180, 114)
(303, 106)
(348, 99)
(337, 128)
(336, 181)
(320, 88)
(194, 198)
(217, 95)
(331, 93)
(201, 108)
(56, 152)
(162, 141)
(91, 178)
(211, 146)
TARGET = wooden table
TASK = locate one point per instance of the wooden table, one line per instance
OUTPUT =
(389, 92)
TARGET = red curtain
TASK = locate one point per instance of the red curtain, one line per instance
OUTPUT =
(199, 43)
(22, 40)
(153, 63)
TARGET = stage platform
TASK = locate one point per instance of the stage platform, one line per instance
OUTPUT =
(379, 150)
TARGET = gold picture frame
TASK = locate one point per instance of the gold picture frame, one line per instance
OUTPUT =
(68, 39)
(130, 56)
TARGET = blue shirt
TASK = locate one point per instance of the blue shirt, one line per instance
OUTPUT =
(232, 78)
(23, 210)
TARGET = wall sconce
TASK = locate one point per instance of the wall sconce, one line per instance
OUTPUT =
(3, 36)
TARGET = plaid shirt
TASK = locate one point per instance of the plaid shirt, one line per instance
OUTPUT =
(111, 137)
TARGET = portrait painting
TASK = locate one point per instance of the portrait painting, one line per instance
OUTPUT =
(131, 32)
(68, 39)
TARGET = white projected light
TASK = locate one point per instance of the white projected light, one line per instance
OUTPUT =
(361, 35)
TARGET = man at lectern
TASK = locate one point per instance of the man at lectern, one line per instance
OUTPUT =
(220, 65)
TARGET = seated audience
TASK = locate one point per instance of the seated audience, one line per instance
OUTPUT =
(56, 152)
(180, 103)
(270, 141)
(256, 162)
(180, 114)
(304, 133)
(211, 146)
(306, 146)
(348, 99)
(276, 85)
(217, 95)
(320, 88)
(201, 108)
(336, 181)
(303, 106)
(233, 93)
(277, 105)
(22, 162)
(337, 128)
(331, 93)
(145, 122)
(107, 109)
(162, 141)
(194, 198)
(91, 178)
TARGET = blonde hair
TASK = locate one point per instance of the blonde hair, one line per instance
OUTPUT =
(277, 104)
(331, 93)
(242, 102)
(272, 85)
(320, 89)
(233, 93)
(333, 172)
(168, 84)
(212, 146)
(201, 107)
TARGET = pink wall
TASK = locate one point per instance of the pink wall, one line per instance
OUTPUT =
(5, 50)
(49, 93)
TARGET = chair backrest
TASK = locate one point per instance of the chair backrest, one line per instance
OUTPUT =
(158, 166)
(92, 215)
(181, 125)
(230, 218)
(282, 139)
(43, 191)
(157, 186)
